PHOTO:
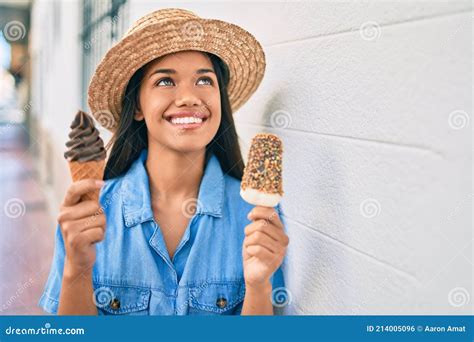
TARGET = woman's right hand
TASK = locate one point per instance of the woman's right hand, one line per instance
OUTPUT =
(82, 225)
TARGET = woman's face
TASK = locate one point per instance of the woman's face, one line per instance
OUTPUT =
(180, 102)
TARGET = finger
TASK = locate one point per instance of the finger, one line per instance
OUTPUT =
(267, 228)
(264, 255)
(92, 221)
(262, 239)
(80, 210)
(79, 188)
(265, 213)
(78, 226)
(260, 252)
(91, 236)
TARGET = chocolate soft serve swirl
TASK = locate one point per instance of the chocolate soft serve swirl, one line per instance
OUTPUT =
(84, 142)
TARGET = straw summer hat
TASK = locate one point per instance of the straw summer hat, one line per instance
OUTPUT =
(172, 30)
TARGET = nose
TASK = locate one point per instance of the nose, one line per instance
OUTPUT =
(186, 97)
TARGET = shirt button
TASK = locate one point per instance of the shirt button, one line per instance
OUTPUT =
(221, 303)
(115, 304)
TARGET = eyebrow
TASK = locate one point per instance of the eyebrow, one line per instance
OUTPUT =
(172, 71)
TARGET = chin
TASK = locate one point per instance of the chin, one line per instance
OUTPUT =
(189, 147)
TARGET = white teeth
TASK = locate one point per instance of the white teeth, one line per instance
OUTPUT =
(186, 120)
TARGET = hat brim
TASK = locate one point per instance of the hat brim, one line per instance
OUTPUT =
(238, 48)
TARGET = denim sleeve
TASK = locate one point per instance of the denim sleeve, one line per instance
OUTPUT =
(49, 301)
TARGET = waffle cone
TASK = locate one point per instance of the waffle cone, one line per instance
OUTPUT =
(87, 170)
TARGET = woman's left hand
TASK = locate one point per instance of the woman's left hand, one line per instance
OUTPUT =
(264, 246)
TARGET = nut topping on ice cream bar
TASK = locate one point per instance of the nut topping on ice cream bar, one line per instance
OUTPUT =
(84, 142)
(262, 180)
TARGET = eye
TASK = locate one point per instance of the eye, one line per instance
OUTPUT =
(164, 82)
(206, 80)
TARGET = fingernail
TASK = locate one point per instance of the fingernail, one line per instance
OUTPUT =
(99, 183)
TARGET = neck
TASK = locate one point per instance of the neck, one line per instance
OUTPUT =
(174, 175)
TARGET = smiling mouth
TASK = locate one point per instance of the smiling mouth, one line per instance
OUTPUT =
(187, 122)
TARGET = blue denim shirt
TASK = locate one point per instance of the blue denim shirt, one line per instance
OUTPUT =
(133, 273)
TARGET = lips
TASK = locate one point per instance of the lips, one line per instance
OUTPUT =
(182, 115)
(186, 120)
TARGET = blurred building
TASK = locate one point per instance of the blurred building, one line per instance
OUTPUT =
(14, 63)
(64, 52)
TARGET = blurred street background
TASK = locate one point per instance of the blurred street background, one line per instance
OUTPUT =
(25, 241)
(372, 99)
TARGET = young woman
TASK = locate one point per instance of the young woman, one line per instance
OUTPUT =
(171, 234)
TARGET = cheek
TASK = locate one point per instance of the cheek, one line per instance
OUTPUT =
(214, 125)
(213, 102)
(215, 107)
(153, 107)
(216, 117)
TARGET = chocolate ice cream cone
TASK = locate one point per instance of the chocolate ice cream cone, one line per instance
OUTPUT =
(86, 153)
(87, 170)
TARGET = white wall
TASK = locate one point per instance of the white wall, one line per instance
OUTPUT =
(377, 182)
(369, 120)
(365, 119)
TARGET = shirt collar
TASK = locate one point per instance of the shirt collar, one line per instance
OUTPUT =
(137, 200)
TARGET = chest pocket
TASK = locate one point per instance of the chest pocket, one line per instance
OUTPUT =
(121, 300)
(216, 298)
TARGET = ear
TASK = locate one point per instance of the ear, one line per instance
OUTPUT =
(138, 115)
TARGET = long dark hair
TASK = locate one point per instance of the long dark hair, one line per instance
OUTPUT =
(131, 136)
